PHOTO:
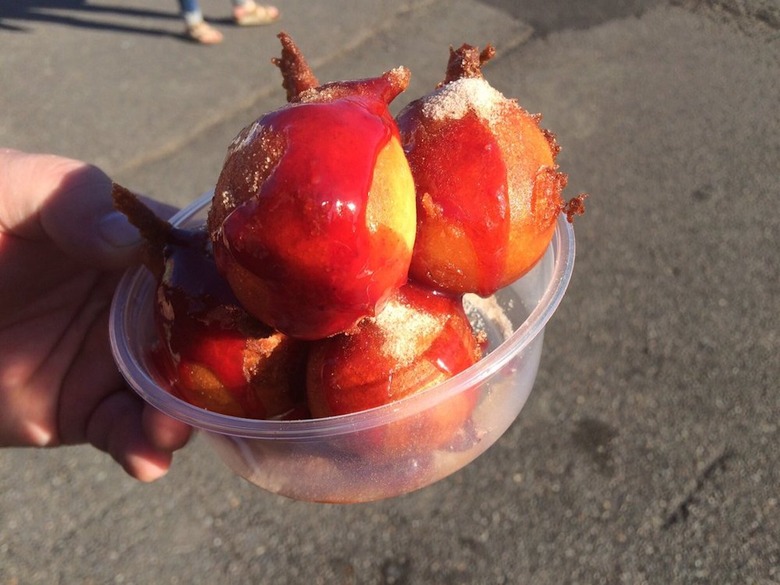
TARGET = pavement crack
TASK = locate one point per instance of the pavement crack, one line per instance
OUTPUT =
(681, 510)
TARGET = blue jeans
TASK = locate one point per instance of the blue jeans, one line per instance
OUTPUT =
(192, 6)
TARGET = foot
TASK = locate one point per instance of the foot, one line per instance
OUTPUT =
(203, 33)
(253, 14)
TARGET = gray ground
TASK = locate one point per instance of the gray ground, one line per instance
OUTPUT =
(647, 452)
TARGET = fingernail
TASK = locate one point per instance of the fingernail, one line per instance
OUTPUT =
(117, 231)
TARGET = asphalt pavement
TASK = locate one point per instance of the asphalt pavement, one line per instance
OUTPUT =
(648, 450)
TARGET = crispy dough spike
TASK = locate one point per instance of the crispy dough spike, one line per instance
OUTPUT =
(154, 230)
(487, 54)
(466, 62)
(297, 76)
(397, 81)
(574, 206)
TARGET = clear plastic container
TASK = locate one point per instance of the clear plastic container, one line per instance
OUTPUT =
(344, 458)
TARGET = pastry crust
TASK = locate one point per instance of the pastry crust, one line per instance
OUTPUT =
(297, 76)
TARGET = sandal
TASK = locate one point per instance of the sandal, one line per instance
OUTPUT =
(253, 14)
(203, 33)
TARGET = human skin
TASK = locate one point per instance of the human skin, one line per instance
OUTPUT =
(62, 250)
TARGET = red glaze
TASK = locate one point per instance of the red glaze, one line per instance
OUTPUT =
(297, 247)
(461, 165)
(488, 189)
(329, 187)
(213, 353)
(420, 339)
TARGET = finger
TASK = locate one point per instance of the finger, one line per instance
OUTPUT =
(164, 432)
(68, 202)
(116, 428)
(143, 462)
(92, 373)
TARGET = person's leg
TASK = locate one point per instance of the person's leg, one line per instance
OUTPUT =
(190, 11)
(249, 13)
(188, 5)
(198, 29)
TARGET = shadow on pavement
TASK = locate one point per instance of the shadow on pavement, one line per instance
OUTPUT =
(20, 16)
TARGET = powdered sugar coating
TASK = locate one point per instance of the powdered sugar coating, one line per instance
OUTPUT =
(457, 98)
(246, 137)
(395, 321)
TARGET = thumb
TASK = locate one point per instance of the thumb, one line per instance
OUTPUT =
(47, 197)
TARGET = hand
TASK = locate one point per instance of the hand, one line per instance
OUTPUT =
(62, 251)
